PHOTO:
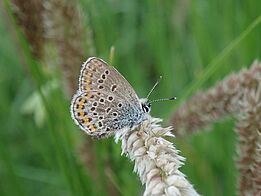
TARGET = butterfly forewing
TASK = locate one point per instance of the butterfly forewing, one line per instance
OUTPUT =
(98, 75)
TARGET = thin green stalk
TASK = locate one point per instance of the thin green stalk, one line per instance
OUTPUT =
(9, 168)
(215, 64)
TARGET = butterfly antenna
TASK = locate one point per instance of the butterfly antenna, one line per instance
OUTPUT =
(164, 99)
(154, 86)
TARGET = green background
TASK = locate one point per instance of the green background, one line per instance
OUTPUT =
(180, 40)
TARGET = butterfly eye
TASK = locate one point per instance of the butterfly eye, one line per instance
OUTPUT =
(107, 72)
(103, 76)
(119, 105)
(146, 108)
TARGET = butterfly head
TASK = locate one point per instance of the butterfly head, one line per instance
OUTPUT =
(145, 105)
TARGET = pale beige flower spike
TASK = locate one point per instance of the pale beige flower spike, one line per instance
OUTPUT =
(156, 160)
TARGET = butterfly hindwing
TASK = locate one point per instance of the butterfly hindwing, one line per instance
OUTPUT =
(100, 114)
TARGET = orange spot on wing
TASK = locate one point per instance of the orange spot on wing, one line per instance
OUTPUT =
(85, 121)
(93, 128)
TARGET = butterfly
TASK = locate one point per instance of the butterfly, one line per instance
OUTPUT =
(105, 102)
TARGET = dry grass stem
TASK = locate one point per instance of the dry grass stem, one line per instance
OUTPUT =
(249, 132)
(216, 103)
(58, 23)
(29, 18)
(238, 95)
(62, 24)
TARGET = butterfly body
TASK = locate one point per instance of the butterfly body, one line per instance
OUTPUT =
(105, 102)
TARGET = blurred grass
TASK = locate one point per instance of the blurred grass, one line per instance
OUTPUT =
(175, 39)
